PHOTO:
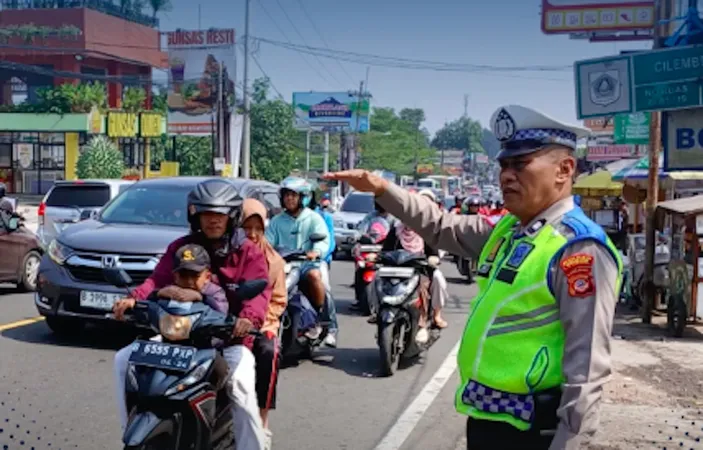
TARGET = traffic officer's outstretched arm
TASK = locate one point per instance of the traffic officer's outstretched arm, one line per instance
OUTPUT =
(458, 234)
(585, 284)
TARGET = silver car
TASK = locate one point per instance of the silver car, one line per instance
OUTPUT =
(353, 210)
(69, 202)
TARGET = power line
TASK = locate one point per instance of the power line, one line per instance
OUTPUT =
(285, 36)
(295, 28)
(324, 41)
(256, 61)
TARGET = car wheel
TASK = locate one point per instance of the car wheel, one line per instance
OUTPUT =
(63, 326)
(30, 270)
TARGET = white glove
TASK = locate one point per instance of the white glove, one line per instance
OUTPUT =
(433, 261)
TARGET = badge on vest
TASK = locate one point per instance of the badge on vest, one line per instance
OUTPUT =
(519, 255)
(494, 251)
(484, 270)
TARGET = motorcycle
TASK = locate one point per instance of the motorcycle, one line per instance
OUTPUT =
(466, 268)
(175, 387)
(365, 257)
(662, 257)
(301, 331)
(398, 290)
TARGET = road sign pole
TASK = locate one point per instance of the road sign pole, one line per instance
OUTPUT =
(652, 195)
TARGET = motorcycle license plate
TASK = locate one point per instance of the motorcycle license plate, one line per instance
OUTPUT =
(162, 356)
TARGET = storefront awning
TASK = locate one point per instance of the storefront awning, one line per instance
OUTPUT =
(598, 184)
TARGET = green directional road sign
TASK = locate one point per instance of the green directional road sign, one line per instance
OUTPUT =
(664, 79)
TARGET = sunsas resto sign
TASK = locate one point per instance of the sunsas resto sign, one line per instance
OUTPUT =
(121, 125)
(200, 38)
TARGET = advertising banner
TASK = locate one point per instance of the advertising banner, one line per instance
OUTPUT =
(331, 111)
(682, 134)
(575, 16)
(196, 59)
(609, 152)
(632, 129)
(599, 125)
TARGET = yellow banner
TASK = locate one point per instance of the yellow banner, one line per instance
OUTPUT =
(121, 125)
(150, 125)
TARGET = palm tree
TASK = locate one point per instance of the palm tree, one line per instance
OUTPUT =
(159, 5)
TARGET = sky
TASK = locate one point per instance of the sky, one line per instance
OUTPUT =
(496, 33)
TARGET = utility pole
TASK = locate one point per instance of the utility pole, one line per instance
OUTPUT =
(326, 156)
(221, 114)
(307, 151)
(652, 192)
(355, 149)
(246, 124)
(466, 106)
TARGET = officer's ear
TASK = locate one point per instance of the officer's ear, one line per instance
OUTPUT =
(565, 165)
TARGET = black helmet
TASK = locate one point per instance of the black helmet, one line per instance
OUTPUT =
(3, 190)
(214, 195)
(474, 201)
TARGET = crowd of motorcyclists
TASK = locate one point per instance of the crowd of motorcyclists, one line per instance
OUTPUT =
(235, 242)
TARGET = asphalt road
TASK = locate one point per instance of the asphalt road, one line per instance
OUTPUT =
(58, 394)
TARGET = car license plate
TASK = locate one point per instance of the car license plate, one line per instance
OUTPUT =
(162, 356)
(99, 300)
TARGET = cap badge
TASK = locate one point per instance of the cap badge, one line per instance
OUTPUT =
(504, 126)
(188, 256)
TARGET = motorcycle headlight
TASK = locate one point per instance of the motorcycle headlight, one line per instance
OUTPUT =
(193, 377)
(176, 328)
(59, 252)
(395, 294)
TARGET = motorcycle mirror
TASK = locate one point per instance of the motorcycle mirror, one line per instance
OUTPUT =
(251, 288)
(117, 277)
(13, 224)
(317, 237)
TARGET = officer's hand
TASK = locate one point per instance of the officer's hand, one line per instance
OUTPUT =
(121, 306)
(242, 327)
(361, 180)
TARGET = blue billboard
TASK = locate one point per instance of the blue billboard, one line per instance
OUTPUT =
(331, 111)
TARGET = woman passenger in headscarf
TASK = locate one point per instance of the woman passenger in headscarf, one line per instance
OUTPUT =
(266, 346)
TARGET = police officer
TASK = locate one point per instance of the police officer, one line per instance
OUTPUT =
(535, 353)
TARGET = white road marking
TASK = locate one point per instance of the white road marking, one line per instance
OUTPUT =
(407, 421)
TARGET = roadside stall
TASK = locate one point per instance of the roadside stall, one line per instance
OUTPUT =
(681, 282)
(600, 199)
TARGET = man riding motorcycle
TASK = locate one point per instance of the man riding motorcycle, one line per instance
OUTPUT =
(457, 208)
(214, 208)
(291, 229)
(473, 206)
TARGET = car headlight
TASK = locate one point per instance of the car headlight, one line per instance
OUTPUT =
(59, 252)
(339, 223)
(176, 328)
(195, 375)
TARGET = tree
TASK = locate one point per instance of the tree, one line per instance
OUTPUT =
(100, 159)
(133, 99)
(460, 134)
(273, 153)
(395, 142)
(158, 6)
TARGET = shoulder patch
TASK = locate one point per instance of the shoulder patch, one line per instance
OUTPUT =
(578, 269)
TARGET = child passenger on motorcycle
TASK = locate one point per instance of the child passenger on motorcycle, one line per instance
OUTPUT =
(266, 345)
(192, 282)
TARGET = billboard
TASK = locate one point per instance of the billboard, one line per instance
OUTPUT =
(600, 125)
(331, 111)
(578, 16)
(609, 152)
(196, 58)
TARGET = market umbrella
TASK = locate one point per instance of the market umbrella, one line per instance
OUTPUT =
(598, 184)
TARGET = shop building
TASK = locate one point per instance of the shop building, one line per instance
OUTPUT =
(37, 150)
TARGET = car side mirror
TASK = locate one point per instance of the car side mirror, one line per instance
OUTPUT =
(13, 224)
(95, 214)
(117, 277)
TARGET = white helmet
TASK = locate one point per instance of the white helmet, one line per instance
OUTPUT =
(429, 194)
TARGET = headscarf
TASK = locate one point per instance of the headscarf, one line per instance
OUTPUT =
(409, 240)
(252, 207)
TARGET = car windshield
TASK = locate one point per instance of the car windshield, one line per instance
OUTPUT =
(153, 205)
(79, 195)
(359, 203)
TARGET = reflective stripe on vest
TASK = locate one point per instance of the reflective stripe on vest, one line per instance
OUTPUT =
(513, 342)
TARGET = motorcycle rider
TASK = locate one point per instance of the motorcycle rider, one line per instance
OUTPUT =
(292, 229)
(214, 209)
(379, 211)
(473, 206)
(329, 221)
(457, 208)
